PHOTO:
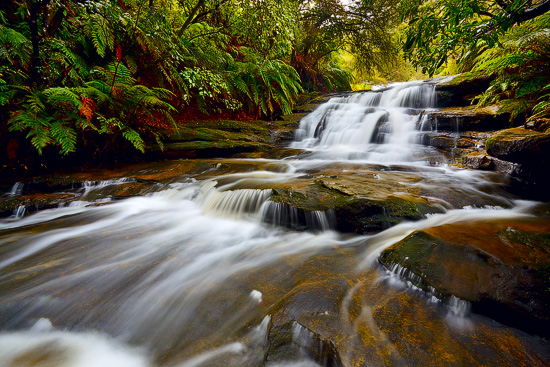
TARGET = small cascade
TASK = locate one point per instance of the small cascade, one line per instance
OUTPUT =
(284, 215)
(456, 307)
(311, 345)
(20, 212)
(379, 126)
(236, 204)
(96, 185)
(16, 189)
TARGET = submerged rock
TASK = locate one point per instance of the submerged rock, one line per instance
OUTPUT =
(501, 267)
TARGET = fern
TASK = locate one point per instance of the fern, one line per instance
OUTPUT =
(14, 47)
(64, 136)
(520, 69)
(60, 95)
(542, 108)
(5, 93)
(98, 28)
(133, 137)
(38, 126)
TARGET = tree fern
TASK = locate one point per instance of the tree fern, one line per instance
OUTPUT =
(38, 127)
(14, 47)
(101, 34)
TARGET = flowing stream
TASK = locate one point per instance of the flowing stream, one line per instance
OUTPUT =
(201, 269)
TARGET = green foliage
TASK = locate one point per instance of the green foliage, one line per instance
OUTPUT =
(521, 67)
(265, 84)
(107, 73)
(5, 93)
(440, 29)
(362, 28)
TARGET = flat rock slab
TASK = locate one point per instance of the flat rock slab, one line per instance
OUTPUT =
(502, 267)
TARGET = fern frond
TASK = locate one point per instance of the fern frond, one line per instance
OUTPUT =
(133, 137)
(62, 95)
(100, 33)
(65, 136)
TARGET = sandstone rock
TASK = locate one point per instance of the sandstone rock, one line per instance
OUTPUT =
(468, 119)
(502, 267)
(520, 145)
(483, 161)
(362, 203)
(459, 90)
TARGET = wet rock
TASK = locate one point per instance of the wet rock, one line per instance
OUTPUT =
(531, 150)
(362, 203)
(483, 161)
(305, 323)
(459, 90)
(21, 204)
(501, 267)
(447, 142)
(520, 145)
(468, 119)
(541, 125)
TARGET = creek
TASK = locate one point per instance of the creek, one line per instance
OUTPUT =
(209, 266)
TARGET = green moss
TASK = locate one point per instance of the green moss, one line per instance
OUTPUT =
(200, 144)
(414, 253)
(535, 241)
(465, 78)
(229, 125)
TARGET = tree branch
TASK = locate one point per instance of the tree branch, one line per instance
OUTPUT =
(536, 11)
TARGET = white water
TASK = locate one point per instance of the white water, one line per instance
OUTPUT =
(186, 276)
(378, 127)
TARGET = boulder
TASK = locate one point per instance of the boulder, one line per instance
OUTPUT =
(459, 90)
(501, 267)
(483, 161)
(362, 203)
(520, 145)
(469, 118)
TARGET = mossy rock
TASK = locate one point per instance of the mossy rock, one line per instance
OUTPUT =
(459, 90)
(520, 145)
(469, 118)
(502, 267)
(356, 212)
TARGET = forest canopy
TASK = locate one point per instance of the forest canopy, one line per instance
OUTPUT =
(98, 73)
(95, 76)
(508, 40)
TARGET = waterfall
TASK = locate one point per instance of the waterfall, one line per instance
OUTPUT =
(380, 126)
(16, 189)
(232, 203)
(283, 215)
(205, 268)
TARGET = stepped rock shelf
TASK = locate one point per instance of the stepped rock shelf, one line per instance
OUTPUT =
(363, 241)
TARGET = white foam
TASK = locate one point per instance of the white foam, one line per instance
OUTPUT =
(67, 349)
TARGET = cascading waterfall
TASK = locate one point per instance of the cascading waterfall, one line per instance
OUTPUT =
(283, 215)
(232, 203)
(210, 269)
(379, 127)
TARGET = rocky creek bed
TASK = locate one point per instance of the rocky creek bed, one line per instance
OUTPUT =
(377, 263)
